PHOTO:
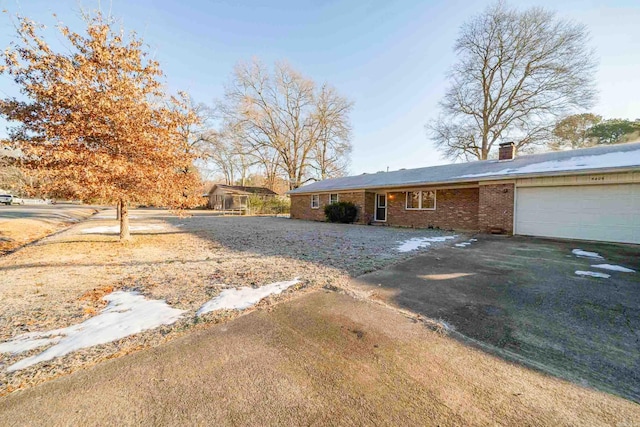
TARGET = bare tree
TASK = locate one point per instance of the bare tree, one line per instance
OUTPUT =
(267, 159)
(220, 155)
(228, 155)
(195, 133)
(331, 154)
(518, 71)
(278, 116)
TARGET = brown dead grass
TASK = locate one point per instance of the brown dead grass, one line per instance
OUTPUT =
(15, 233)
(96, 294)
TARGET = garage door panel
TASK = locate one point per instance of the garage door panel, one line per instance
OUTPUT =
(598, 212)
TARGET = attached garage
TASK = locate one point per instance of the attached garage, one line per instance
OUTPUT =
(608, 213)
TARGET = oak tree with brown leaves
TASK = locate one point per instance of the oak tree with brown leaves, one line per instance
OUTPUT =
(94, 122)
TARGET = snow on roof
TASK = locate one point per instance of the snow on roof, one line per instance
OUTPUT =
(605, 157)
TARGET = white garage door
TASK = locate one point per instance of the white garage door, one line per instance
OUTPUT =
(608, 213)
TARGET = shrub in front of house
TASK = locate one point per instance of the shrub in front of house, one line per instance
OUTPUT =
(342, 212)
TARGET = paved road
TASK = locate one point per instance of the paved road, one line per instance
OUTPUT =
(522, 298)
(48, 212)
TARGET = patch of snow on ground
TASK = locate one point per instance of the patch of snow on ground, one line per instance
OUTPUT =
(613, 267)
(115, 229)
(126, 314)
(245, 297)
(465, 244)
(23, 343)
(586, 254)
(592, 274)
(420, 242)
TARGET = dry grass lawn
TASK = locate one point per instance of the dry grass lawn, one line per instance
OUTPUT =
(17, 232)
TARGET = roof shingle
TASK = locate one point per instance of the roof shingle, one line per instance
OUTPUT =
(600, 158)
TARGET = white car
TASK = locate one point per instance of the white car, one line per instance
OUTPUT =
(8, 199)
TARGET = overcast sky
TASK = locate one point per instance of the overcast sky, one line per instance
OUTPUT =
(389, 57)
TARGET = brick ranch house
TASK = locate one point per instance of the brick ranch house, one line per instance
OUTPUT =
(590, 194)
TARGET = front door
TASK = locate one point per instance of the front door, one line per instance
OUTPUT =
(381, 207)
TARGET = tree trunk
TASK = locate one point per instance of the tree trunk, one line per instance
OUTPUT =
(118, 212)
(124, 221)
(484, 150)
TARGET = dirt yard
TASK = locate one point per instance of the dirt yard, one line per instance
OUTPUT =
(60, 281)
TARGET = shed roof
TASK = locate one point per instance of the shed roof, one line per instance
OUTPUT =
(239, 189)
(596, 159)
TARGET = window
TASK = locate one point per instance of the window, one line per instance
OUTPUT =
(424, 200)
(428, 200)
(315, 201)
(333, 198)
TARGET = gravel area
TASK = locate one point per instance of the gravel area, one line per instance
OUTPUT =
(353, 249)
(60, 281)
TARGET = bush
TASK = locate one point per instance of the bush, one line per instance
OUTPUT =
(255, 203)
(272, 205)
(343, 212)
(278, 205)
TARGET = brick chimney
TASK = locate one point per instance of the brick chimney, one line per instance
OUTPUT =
(507, 151)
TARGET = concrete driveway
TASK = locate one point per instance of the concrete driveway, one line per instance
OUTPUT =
(522, 299)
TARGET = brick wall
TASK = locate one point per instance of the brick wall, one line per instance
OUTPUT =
(301, 208)
(496, 208)
(369, 208)
(301, 205)
(487, 208)
(456, 209)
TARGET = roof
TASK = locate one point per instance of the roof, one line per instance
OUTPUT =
(597, 159)
(239, 189)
